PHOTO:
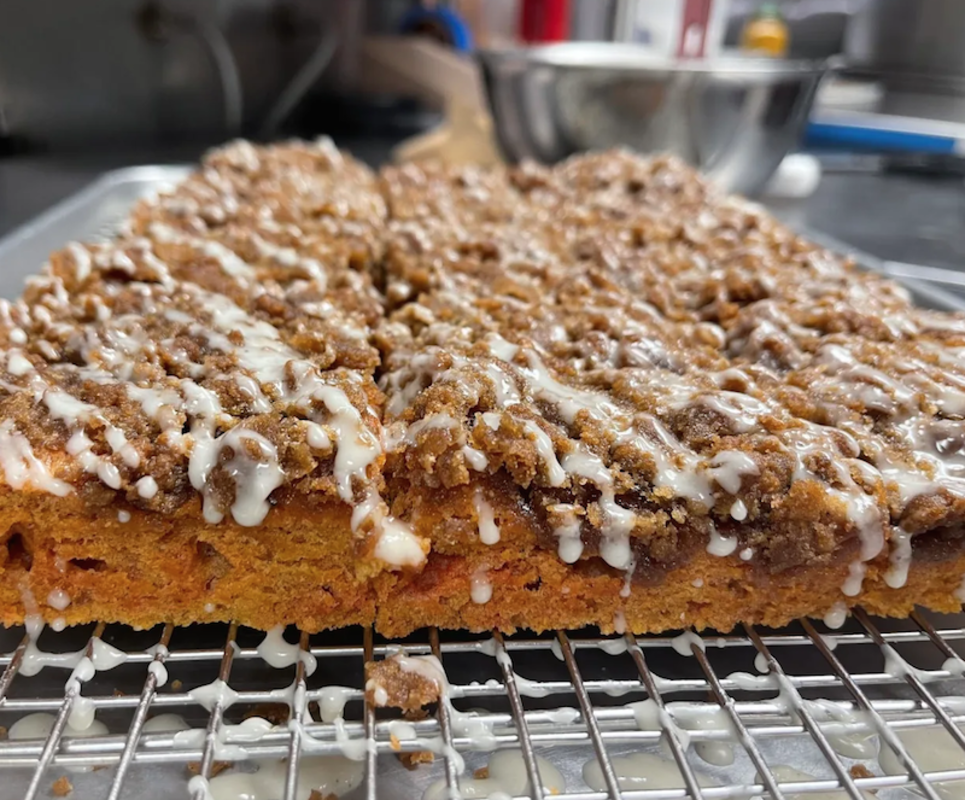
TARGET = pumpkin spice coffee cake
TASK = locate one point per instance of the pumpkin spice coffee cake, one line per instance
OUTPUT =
(294, 391)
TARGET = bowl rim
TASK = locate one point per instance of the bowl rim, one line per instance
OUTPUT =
(634, 57)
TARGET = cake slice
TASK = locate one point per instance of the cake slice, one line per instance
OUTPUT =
(190, 428)
(616, 397)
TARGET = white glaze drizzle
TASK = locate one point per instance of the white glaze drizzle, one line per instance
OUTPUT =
(481, 589)
(485, 518)
(278, 653)
(58, 599)
(851, 733)
(214, 693)
(555, 473)
(39, 725)
(619, 521)
(836, 615)
(165, 723)
(720, 546)
(506, 777)
(900, 558)
(255, 476)
(159, 671)
(568, 532)
(933, 750)
(332, 700)
(728, 467)
(684, 642)
(327, 775)
(640, 771)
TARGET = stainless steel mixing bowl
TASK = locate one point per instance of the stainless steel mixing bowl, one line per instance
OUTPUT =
(734, 118)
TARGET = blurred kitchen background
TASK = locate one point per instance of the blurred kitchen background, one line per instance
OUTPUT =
(95, 85)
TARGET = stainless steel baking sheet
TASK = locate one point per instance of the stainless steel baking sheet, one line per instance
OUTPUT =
(96, 212)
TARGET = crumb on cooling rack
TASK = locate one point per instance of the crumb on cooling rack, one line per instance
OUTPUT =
(860, 771)
(317, 795)
(176, 685)
(3, 732)
(395, 683)
(481, 773)
(118, 693)
(62, 787)
(394, 742)
(412, 760)
(194, 767)
(275, 713)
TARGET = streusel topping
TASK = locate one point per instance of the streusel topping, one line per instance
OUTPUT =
(220, 346)
(648, 357)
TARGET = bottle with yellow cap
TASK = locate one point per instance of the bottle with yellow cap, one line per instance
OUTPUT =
(766, 33)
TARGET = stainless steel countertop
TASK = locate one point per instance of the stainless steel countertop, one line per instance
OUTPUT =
(908, 217)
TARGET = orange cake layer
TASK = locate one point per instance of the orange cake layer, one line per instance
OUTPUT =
(295, 391)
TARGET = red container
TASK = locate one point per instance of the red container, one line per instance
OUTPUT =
(544, 21)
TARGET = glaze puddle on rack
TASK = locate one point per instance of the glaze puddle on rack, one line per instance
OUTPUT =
(743, 714)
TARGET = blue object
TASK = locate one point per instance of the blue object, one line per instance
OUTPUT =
(830, 135)
(444, 23)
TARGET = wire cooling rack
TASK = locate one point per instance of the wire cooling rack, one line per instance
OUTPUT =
(780, 694)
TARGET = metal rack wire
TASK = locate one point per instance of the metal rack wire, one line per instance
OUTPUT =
(596, 675)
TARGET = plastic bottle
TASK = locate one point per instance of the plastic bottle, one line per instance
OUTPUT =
(767, 33)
